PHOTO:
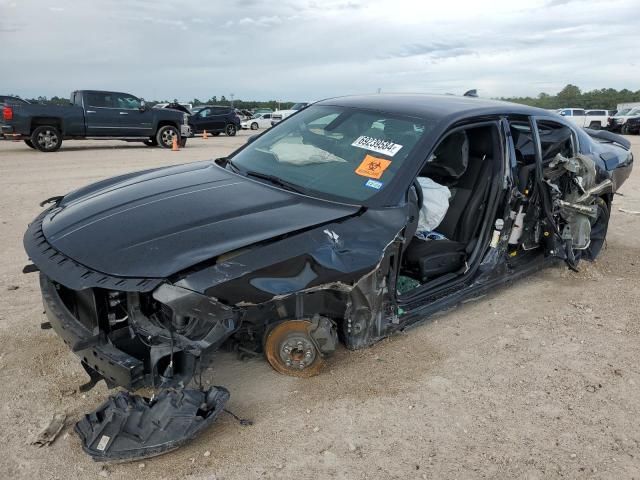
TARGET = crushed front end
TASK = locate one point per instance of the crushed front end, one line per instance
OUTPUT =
(130, 332)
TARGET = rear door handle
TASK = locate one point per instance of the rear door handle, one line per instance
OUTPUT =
(124, 113)
(91, 111)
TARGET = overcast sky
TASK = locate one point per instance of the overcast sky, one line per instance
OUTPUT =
(312, 49)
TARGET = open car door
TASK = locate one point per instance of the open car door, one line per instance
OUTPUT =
(571, 207)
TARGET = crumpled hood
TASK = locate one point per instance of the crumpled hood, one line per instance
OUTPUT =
(156, 223)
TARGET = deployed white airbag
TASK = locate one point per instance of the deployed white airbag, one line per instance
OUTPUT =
(434, 206)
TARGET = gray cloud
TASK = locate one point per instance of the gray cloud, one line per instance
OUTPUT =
(307, 50)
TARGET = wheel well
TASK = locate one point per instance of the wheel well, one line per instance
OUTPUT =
(40, 121)
(162, 123)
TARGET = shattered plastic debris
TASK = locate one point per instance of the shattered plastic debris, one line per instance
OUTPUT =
(130, 427)
(49, 434)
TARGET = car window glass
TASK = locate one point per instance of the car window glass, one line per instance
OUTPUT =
(523, 142)
(578, 113)
(204, 113)
(566, 113)
(126, 101)
(555, 139)
(99, 99)
(335, 151)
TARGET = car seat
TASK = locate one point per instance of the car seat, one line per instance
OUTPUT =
(464, 163)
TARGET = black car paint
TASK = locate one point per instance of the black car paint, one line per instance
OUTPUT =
(74, 121)
(171, 215)
(217, 122)
(340, 262)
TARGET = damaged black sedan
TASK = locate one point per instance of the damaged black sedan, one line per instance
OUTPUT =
(351, 220)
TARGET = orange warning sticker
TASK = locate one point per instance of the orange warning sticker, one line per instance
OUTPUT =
(373, 167)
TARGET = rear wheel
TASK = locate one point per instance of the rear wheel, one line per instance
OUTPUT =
(230, 130)
(30, 144)
(290, 349)
(254, 126)
(46, 138)
(595, 126)
(166, 134)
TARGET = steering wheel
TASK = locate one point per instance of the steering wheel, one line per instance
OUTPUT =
(419, 193)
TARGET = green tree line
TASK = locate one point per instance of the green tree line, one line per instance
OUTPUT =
(572, 96)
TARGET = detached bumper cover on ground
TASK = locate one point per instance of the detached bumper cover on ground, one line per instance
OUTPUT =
(128, 427)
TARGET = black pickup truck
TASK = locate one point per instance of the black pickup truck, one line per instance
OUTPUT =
(94, 114)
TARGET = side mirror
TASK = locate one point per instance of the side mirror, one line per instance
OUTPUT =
(143, 106)
(563, 114)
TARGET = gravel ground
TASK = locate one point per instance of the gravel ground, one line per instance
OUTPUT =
(537, 380)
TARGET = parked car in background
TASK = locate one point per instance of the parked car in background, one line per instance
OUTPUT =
(94, 114)
(244, 114)
(280, 115)
(596, 119)
(260, 111)
(618, 122)
(258, 121)
(215, 119)
(632, 125)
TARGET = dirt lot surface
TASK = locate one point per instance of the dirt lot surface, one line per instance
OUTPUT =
(537, 380)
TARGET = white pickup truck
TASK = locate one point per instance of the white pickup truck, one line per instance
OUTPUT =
(595, 119)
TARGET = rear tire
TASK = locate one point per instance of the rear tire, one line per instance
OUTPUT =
(230, 130)
(46, 138)
(166, 134)
(254, 126)
(30, 144)
(595, 126)
(599, 229)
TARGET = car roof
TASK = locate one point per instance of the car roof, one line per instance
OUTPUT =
(432, 106)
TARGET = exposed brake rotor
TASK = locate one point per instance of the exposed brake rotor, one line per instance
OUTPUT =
(290, 350)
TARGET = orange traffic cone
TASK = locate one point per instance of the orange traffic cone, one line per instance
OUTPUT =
(174, 147)
(204, 134)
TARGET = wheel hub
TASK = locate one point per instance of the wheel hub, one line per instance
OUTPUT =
(290, 349)
(297, 352)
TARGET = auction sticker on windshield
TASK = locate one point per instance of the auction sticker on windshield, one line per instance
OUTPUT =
(372, 167)
(377, 145)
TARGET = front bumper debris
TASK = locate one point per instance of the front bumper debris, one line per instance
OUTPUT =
(130, 427)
